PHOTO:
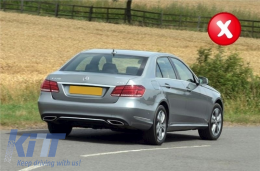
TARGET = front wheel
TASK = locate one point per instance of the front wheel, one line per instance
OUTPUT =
(215, 125)
(157, 133)
(59, 128)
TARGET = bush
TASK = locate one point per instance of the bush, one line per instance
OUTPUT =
(240, 89)
(228, 74)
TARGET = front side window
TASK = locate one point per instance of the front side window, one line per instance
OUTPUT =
(107, 63)
(166, 68)
(184, 72)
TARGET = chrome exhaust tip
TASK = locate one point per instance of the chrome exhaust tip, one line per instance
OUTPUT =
(49, 118)
(115, 122)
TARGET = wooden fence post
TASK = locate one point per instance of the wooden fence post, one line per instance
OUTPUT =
(161, 19)
(39, 7)
(3, 5)
(72, 11)
(21, 8)
(143, 17)
(198, 26)
(252, 29)
(90, 13)
(57, 9)
(128, 11)
(125, 16)
(180, 21)
(107, 14)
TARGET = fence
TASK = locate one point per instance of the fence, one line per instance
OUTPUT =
(250, 28)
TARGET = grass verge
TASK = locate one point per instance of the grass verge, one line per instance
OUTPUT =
(24, 115)
(239, 112)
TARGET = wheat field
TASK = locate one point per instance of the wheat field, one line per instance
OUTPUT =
(33, 46)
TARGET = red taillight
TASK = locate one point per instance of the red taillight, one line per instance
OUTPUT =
(128, 91)
(49, 86)
(117, 91)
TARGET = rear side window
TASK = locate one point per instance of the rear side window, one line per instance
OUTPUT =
(158, 71)
(107, 63)
(166, 68)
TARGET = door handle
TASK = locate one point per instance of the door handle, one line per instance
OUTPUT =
(188, 89)
(167, 85)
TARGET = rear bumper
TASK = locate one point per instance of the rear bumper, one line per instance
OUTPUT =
(134, 113)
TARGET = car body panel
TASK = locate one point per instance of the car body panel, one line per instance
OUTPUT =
(106, 81)
(190, 104)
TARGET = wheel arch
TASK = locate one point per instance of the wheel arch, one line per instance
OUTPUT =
(166, 106)
(220, 102)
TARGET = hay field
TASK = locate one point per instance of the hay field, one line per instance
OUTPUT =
(33, 46)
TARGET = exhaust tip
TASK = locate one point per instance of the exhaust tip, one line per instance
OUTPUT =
(49, 118)
(115, 122)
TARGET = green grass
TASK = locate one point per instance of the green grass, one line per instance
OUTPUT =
(18, 107)
(20, 115)
(238, 111)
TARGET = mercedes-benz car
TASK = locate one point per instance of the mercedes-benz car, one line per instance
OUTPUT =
(152, 92)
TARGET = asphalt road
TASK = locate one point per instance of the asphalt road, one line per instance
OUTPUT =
(237, 149)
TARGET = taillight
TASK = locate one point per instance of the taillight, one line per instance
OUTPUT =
(128, 91)
(117, 91)
(49, 86)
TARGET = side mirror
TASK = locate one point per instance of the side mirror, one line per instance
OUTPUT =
(203, 80)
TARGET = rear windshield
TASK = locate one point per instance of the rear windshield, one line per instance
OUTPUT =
(107, 63)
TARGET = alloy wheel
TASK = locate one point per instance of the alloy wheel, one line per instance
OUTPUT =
(161, 125)
(216, 122)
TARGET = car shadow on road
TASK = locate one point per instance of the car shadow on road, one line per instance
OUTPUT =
(112, 137)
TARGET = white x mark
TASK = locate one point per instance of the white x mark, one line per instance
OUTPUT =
(224, 29)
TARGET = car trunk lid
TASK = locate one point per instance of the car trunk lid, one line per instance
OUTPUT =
(87, 87)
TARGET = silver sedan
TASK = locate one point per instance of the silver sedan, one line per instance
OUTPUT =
(130, 90)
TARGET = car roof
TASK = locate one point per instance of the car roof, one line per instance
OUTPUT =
(128, 52)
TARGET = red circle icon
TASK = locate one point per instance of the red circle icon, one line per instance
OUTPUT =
(224, 28)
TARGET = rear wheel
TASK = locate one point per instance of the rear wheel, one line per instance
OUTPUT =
(157, 133)
(59, 128)
(215, 125)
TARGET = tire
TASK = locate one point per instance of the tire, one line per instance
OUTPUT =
(157, 133)
(59, 128)
(214, 129)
